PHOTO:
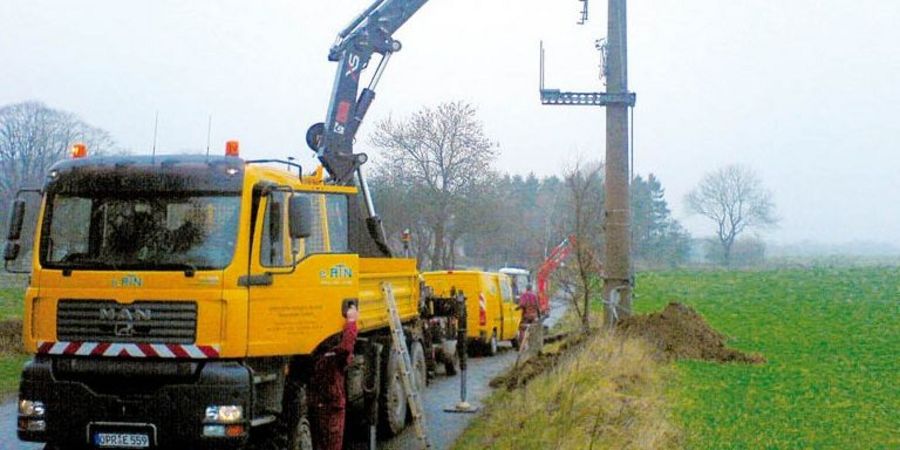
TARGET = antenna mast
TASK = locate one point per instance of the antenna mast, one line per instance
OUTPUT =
(155, 130)
(208, 135)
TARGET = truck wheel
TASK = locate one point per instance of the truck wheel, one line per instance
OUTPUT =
(392, 405)
(292, 430)
(419, 366)
(493, 346)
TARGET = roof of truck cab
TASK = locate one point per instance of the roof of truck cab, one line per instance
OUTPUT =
(146, 160)
(254, 171)
(132, 173)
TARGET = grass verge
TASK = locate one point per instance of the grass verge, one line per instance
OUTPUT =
(10, 371)
(12, 356)
(606, 393)
(12, 295)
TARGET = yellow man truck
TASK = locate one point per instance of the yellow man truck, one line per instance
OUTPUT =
(490, 304)
(179, 301)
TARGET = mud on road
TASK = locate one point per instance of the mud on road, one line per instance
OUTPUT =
(444, 428)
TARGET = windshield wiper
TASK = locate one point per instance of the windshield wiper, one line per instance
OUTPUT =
(189, 269)
(81, 261)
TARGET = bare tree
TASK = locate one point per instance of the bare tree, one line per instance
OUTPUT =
(33, 137)
(443, 154)
(585, 188)
(734, 198)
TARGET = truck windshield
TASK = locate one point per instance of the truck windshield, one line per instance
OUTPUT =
(153, 233)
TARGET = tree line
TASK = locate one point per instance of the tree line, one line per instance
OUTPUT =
(434, 175)
(33, 136)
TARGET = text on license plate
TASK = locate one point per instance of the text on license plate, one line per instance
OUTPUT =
(121, 440)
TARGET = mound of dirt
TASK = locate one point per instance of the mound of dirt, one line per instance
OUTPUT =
(681, 333)
(11, 337)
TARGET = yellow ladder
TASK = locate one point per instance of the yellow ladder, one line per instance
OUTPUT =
(398, 342)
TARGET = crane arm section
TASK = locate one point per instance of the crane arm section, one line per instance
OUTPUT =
(553, 261)
(369, 34)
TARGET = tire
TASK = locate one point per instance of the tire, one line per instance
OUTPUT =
(515, 342)
(493, 345)
(392, 405)
(419, 365)
(292, 430)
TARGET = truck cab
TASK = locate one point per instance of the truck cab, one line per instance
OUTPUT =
(520, 279)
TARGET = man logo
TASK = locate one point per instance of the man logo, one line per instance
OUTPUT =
(125, 318)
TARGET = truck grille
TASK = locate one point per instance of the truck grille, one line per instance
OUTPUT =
(141, 321)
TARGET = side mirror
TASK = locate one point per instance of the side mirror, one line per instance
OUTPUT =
(301, 215)
(16, 220)
(11, 251)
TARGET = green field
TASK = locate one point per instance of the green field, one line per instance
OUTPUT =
(832, 338)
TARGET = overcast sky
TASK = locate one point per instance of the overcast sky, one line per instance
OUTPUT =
(807, 92)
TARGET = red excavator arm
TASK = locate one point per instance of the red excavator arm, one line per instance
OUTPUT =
(553, 261)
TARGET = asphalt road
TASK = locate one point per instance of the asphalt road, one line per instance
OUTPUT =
(443, 428)
(8, 440)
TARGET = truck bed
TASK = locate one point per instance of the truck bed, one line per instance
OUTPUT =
(404, 279)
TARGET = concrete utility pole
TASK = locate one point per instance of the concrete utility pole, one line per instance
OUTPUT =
(618, 275)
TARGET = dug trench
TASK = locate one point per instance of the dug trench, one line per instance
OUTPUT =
(676, 332)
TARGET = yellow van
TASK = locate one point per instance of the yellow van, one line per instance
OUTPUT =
(490, 304)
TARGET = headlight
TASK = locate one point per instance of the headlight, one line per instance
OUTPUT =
(224, 414)
(31, 408)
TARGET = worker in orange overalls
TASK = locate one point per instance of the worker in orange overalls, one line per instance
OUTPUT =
(328, 399)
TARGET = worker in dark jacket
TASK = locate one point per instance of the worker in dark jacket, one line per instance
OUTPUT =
(327, 397)
(530, 306)
(531, 311)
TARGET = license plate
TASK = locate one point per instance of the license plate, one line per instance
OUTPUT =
(121, 440)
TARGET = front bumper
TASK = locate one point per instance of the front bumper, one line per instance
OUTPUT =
(169, 396)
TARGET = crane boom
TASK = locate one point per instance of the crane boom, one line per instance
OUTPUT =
(553, 261)
(368, 34)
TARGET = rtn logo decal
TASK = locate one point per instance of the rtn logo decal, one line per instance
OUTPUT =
(337, 274)
(130, 280)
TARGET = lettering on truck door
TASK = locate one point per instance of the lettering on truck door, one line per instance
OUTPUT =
(293, 309)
